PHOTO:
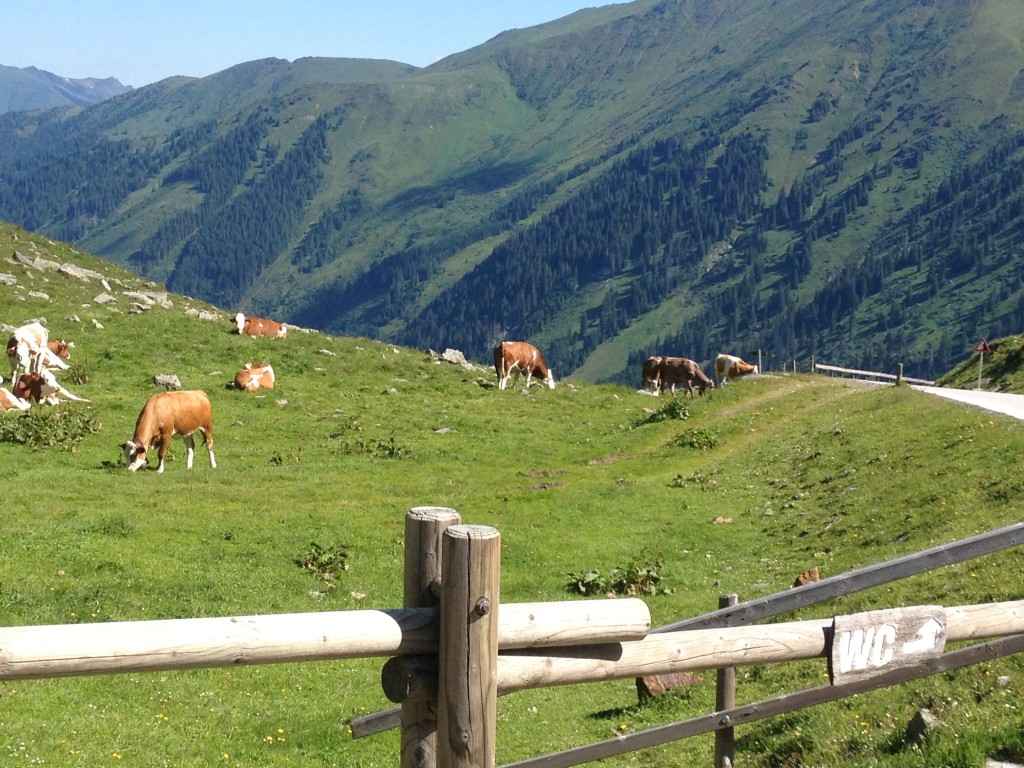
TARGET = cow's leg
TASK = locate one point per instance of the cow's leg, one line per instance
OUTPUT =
(161, 452)
(190, 450)
(208, 439)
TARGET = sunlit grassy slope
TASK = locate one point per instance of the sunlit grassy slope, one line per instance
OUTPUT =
(798, 471)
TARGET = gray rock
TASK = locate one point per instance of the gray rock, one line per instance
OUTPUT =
(167, 381)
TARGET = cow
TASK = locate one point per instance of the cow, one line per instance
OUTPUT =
(259, 326)
(11, 402)
(253, 377)
(515, 357)
(30, 349)
(42, 387)
(680, 370)
(649, 378)
(165, 414)
(729, 367)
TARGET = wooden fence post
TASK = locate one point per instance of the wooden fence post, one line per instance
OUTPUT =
(467, 702)
(725, 700)
(899, 374)
(424, 527)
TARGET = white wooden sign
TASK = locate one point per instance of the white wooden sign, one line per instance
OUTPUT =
(867, 644)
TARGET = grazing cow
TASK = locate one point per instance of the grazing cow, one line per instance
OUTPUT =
(30, 349)
(729, 367)
(164, 415)
(253, 377)
(680, 370)
(11, 402)
(515, 357)
(42, 387)
(258, 326)
(649, 379)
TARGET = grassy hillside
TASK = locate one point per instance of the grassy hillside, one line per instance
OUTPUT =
(761, 480)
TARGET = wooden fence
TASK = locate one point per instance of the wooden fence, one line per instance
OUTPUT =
(453, 649)
(896, 378)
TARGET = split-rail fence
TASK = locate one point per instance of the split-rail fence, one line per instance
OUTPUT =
(453, 649)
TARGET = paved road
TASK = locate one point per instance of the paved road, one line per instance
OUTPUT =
(1000, 402)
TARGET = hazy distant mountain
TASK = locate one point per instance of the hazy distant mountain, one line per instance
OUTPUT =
(841, 178)
(32, 88)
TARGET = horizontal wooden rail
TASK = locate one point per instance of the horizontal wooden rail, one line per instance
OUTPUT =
(693, 650)
(149, 646)
(795, 598)
(873, 374)
(780, 705)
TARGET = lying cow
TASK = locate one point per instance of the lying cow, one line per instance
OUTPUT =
(11, 402)
(42, 387)
(253, 377)
(649, 378)
(259, 326)
(680, 370)
(164, 415)
(515, 357)
(729, 367)
(30, 349)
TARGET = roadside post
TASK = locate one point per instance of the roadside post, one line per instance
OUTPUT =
(981, 348)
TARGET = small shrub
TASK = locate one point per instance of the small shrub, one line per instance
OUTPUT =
(325, 563)
(44, 427)
(635, 579)
(672, 410)
(700, 438)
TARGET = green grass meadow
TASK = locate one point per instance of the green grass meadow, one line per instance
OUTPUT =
(761, 480)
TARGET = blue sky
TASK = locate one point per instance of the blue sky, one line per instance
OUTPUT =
(140, 43)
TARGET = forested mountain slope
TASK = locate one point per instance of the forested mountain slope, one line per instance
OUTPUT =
(839, 178)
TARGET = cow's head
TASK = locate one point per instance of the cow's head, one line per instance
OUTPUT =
(134, 455)
(240, 322)
(550, 379)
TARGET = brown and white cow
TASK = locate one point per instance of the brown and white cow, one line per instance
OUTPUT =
(42, 387)
(729, 367)
(515, 357)
(259, 326)
(11, 402)
(649, 378)
(253, 377)
(681, 370)
(165, 414)
(30, 349)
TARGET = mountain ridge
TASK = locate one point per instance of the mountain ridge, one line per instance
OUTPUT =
(29, 88)
(371, 197)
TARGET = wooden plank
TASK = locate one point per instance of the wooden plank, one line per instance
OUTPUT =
(752, 611)
(780, 705)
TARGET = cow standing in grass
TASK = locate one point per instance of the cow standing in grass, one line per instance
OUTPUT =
(680, 370)
(650, 377)
(30, 349)
(729, 367)
(514, 357)
(167, 414)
